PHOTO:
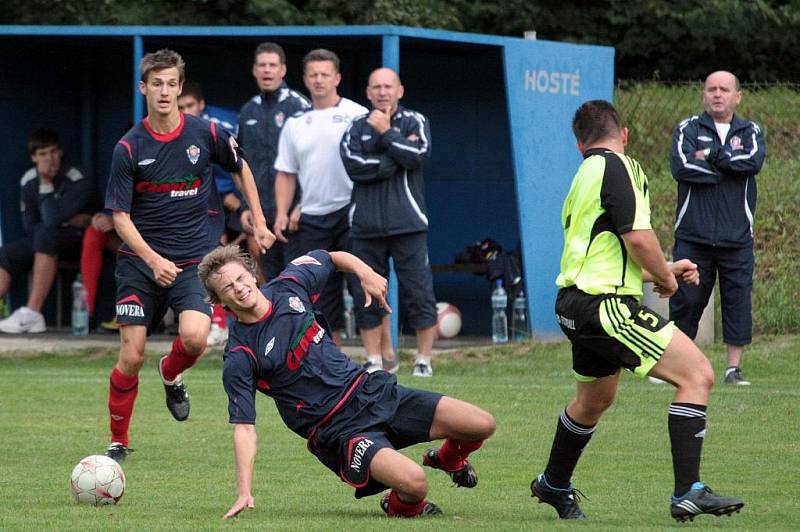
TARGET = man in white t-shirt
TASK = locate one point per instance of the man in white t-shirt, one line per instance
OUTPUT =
(308, 152)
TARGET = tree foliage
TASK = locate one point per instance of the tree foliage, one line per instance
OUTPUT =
(675, 40)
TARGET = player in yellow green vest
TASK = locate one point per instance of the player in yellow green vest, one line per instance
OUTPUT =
(610, 249)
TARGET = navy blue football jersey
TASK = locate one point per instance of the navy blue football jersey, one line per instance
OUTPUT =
(288, 355)
(164, 181)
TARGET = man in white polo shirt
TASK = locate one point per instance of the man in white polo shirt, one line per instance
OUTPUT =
(308, 152)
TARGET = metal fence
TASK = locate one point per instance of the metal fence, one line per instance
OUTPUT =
(651, 110)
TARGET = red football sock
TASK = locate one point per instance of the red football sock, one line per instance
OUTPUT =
(122, 394)
(219, 317)
(94, 240)
(398, 508)
(453, 453)
(177, 361)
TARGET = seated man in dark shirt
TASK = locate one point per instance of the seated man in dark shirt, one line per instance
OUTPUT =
(55, 209)
(353, 421)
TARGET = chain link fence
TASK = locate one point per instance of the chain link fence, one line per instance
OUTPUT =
(651, 110)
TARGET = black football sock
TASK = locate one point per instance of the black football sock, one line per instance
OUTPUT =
(570, 439)
(687, 430)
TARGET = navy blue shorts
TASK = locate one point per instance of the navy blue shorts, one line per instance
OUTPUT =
(410, 255)
(735, 269)
(64, 242)
(142, 301)
(382, 414)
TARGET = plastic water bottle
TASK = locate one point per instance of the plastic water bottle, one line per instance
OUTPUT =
(349, 315)
(80, 311)
(499, 318)
(519, 320)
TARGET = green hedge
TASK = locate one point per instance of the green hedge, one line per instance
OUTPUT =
(652, 110)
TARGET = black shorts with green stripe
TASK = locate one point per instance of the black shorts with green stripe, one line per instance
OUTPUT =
(609, 332)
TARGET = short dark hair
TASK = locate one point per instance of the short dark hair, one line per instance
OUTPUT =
(595, 120)
(321, 54)
(218, 258)
(160, 60)
(270, 48)
(43, 138)
(193, 89)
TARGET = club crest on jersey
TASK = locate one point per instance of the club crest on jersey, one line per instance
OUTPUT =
(296, 305)
(308, 118)
(736, 143)
(306, 259)
(193, 153)
(279, 118)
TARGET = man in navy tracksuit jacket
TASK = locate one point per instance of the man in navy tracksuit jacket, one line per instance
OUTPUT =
(260, 122)
(383, 153)
(715, 158)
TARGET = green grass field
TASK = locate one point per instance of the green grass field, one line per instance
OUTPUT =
(53, 412)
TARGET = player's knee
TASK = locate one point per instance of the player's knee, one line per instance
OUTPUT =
(485, 424)
(131, 358)
(194, 343)
(593, 408)
(415, 483)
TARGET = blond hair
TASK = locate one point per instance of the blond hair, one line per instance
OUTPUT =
(211, 264)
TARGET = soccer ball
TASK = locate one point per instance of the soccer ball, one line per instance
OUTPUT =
(448, 320)
(97, 480)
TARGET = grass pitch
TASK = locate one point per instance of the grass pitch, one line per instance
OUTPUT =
(182, 477)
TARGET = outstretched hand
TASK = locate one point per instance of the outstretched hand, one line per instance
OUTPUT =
(374, 286)
(242, 502)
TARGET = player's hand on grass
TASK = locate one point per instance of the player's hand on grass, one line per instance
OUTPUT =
(242, 502)
(374, 286)
(280, 226)
(686, 271)
(164, 271)
(264, 237)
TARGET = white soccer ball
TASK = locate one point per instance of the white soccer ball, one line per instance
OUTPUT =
(97, 480)
(448, 320)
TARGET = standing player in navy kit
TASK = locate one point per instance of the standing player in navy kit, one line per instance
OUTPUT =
(158, 190)
(353, 420)
(261, 120)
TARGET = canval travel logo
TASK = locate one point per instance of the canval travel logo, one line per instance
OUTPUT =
(176, 187)
(130, 306)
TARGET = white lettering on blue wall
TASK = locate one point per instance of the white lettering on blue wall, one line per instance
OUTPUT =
(553, 82)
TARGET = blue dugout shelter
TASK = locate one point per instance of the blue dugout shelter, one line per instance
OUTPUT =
(500, 111)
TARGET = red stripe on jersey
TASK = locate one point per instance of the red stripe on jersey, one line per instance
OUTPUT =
(246, 350)
(335, 408)
(127, 147)
(214, 132)
(165, 137)
(315, 297)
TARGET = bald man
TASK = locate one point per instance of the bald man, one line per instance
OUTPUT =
(715, 158)
(383, 153)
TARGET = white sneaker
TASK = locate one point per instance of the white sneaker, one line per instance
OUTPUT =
(422, 369)
(23, 320)
(655, 380)
(371, 366)
(391, 366)
(217, 335)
